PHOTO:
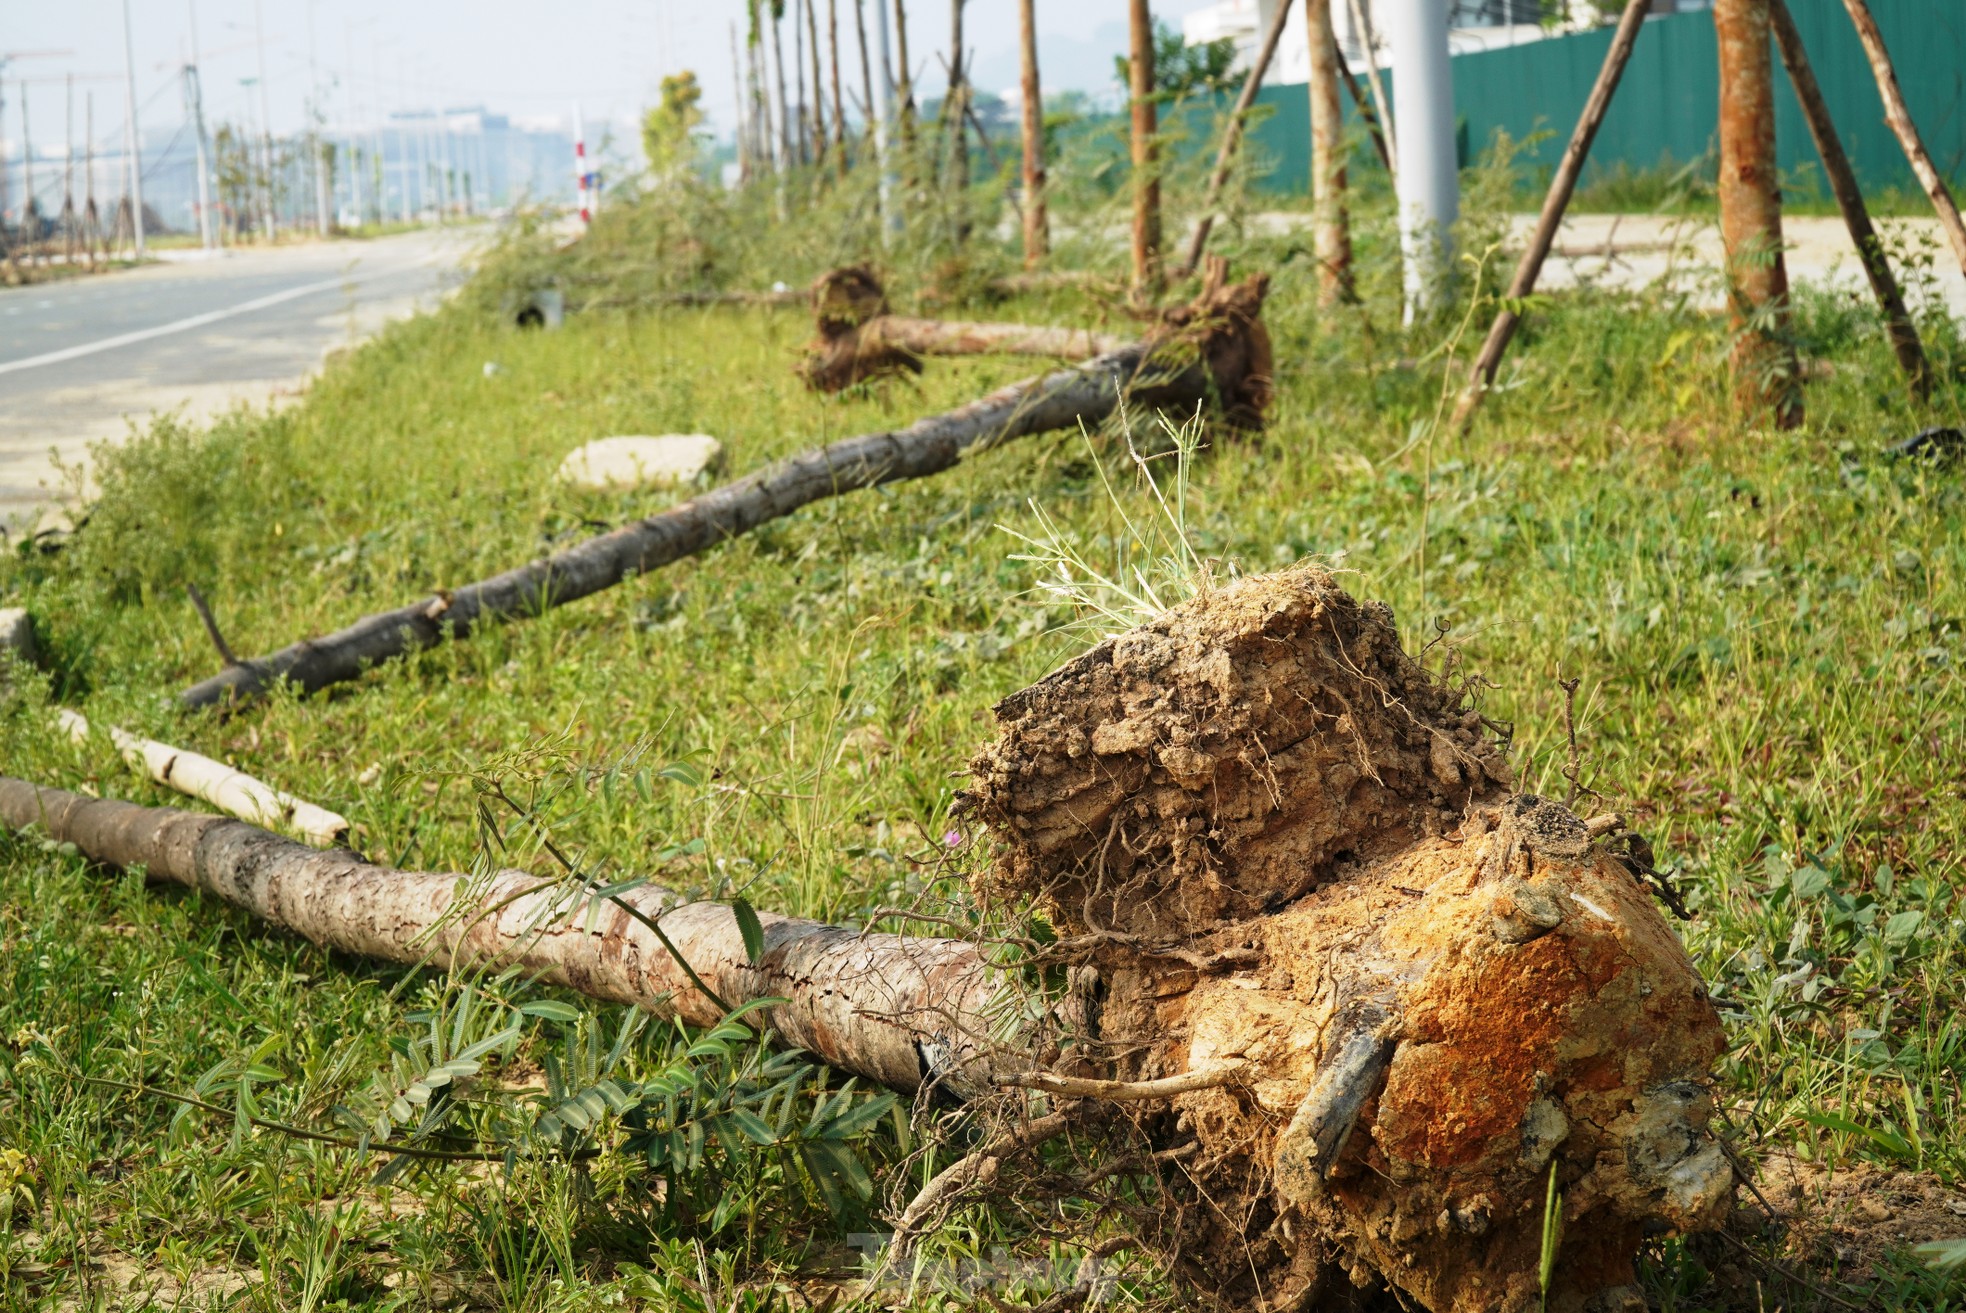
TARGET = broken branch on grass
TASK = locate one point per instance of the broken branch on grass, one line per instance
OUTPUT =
(211, 625)
(1215, 348)
(231, 791)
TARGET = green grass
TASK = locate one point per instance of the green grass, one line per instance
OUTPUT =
(1767, 626)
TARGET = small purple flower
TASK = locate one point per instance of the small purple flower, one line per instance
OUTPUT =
(953, 839)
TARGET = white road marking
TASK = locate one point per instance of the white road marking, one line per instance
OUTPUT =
(162, 330)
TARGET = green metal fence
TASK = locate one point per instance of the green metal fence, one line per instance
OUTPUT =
(1667, 107)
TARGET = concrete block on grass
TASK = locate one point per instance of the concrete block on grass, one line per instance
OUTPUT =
(617, 464)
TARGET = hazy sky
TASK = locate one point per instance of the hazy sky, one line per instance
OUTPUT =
(528, 58)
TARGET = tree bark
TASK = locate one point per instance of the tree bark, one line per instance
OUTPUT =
(1562, 187)
(839, 104)
(1225, 154)
(1899, 117)
(1334, 238)
(892, 1009)
(1850, 200)
(1146, 155)
(1766, 378)
(1234, 365)
(1037, 226)
(955, 115)
(231, 791)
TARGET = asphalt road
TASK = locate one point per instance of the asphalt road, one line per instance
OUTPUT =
(82, 360)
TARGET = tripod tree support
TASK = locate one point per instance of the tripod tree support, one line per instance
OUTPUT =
(1482, 375)
(1850, 200)
(1899, 117)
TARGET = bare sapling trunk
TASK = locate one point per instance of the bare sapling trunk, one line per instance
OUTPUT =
(1899, 116)
(1334, 236)
(955, 108)
(1766, 377)
(1369, 1002)
(1225, 154)
(1365, 111)
(744, 166)
(867, 106)
(907, 86)
(231, 791)
(839, 104)
(818, 86)
(1482, 375)
(1898, 325)
(1146, 154)
(1037, 223)
(1216, 348)
(787, 129)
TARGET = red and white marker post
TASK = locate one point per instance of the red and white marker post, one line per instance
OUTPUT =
(584, 177)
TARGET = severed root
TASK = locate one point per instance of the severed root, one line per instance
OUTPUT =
(1443, 991)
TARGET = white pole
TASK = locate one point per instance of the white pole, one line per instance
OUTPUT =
(883, 111)
(130, 129)
(348, 109)
(197, 89)
(1428, 185)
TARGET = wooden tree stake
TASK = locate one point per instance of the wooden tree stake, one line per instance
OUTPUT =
(1562, 186)
(1232, 138)
(1899, 117)
(1850, 200)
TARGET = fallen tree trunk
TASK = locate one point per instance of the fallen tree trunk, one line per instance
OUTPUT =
(231, 791)
(1369, 1003)
(859, 338)
(892, 344)
(1214, 348)
(889, 1008)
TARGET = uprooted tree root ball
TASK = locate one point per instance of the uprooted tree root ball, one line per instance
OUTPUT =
(1291, 854)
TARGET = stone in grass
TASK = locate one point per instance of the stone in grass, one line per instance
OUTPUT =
(616, 464)
(16, 639)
